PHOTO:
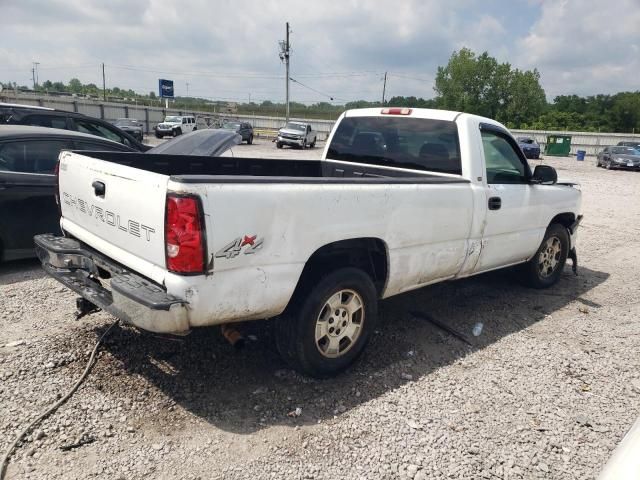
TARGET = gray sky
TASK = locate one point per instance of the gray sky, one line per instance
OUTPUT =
(341, 48)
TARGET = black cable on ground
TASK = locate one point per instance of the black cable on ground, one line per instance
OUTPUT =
(55, 406)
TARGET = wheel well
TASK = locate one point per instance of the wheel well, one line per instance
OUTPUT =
(564, 219)
(367, 254)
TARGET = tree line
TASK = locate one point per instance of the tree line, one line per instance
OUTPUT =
(469, 83)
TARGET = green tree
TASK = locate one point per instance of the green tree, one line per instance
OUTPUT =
(480, 85)
(75, 85)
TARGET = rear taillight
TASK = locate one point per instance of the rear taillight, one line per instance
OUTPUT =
(396, 111)
(184, 234)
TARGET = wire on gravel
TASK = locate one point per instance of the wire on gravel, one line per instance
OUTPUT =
(55, 406)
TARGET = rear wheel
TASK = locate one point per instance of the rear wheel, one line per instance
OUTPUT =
(313, 144)
(250, 141)
(546, 266)
(328, 323)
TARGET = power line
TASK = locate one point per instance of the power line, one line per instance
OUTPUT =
(316, 91)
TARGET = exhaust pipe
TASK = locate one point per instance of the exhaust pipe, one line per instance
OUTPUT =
(233, 336)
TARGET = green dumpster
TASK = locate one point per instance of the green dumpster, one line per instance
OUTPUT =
(558, 145)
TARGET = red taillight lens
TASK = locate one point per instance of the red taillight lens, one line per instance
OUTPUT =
(396, 111)
(184, 235)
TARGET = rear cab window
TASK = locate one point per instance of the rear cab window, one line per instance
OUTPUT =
(50, 121)
(401, 142)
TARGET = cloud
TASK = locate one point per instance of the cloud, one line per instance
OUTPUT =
(585, 46)
(227, 50)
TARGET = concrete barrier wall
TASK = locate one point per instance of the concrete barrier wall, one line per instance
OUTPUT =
(592, 143)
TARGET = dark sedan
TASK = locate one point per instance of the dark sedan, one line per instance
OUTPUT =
(28, 156)
(131, 126)
(619, 157)
(529, 147)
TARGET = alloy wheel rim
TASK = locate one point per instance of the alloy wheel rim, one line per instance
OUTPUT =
(339, 323)
(549, 257)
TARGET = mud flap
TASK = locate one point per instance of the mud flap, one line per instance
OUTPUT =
(574, 258)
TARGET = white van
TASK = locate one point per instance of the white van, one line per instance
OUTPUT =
(175, 125)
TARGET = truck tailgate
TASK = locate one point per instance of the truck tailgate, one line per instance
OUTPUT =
(116, 209)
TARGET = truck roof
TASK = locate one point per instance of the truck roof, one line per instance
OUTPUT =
(434, 114)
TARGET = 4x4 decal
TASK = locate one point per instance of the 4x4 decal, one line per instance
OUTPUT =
(246, 244)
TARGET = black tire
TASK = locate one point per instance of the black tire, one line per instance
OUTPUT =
(536, 272)
(177, 131)
(250, 141)
(608, 165)
(278, 145)
(296, 327)
(158, 135)
(313, 144)
(304, 144)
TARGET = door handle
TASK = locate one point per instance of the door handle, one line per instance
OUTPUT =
(495, 203)
(99, 188)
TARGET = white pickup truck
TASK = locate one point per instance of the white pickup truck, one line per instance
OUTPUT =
(402, 198)
(297, 134)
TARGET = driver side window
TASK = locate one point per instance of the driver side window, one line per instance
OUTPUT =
(502, 162)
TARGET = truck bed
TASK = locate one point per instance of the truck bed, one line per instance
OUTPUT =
(196, 169)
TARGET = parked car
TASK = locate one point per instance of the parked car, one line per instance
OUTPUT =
(244, 129)
(199, 241)
(529, 146)
(296, 134)
(13, 114)
(28, 156)
(619, 157)
(132, 126)
(635, 145)
(175, 125)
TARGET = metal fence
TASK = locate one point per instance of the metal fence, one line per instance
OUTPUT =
(591, 142)
(149, 116)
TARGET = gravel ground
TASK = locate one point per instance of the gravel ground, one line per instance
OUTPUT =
(546, 391)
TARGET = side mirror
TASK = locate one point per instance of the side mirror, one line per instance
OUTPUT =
(545, 175)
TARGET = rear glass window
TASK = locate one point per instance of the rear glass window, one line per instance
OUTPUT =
(31, 156)
(416, 143)
(50, 121)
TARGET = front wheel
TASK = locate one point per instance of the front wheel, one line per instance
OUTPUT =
(546, 266)
(328, 323)
(278, 145)
(313, 144)
(250, 140)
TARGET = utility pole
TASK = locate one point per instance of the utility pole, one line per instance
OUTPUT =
(384, 88)
(33, 76)
(187, 89)
(285, 50)
(35, 64)
(104, 85)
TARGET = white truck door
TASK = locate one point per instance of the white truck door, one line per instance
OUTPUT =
(513, 230)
